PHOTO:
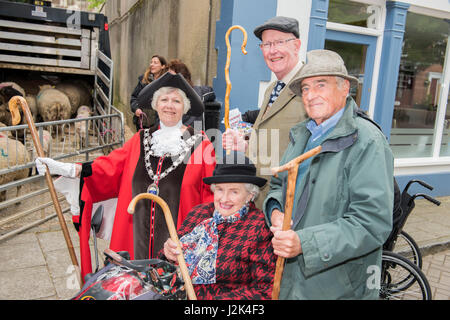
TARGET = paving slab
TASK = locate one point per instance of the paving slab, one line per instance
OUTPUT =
(54, 240)
(26, 284)
(20, 256)
(65, 287)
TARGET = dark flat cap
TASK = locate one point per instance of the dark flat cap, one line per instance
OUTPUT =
(171, 80)
(283, 24)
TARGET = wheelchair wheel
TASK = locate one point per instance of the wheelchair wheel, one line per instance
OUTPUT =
(408, 248)
(402, 280)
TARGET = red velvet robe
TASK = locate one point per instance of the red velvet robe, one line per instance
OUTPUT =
(115, 176)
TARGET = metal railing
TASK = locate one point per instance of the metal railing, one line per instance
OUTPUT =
(21, 197)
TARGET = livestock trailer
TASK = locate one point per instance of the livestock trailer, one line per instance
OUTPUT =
(39, 42)
(41, 45)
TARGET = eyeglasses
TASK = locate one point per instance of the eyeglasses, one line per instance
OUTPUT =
(276, 44)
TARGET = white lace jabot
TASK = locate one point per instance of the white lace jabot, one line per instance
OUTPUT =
(167, 140)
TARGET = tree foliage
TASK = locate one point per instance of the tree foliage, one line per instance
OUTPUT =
(425, 40)
(93, 4)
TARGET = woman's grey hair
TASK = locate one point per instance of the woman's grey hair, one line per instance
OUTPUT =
(167, 90)
(250, 187)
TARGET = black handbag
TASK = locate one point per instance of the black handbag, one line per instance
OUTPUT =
(122, 279)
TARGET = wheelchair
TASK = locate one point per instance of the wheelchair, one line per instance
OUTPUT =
(401, 274)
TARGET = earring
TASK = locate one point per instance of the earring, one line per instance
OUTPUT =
(250, 200)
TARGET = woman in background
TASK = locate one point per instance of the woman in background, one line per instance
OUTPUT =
(206, 93)
(147, 117)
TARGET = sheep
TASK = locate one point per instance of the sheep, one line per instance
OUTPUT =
(13, 153)
(76, 92)
(8, 90)
(53, 104)
(9, 133)
(6, 118)
(46, 143)
(32, 105)
(80, 127)
(5, 115)
(30, 83)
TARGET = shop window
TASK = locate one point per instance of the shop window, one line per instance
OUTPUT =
(353, 13)
(354, 56)
(418, 89)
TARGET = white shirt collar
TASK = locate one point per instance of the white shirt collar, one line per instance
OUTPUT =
(287, 78)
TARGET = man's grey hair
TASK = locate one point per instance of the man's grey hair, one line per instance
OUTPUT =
(340, 82)
(250, 187)
(167, 90)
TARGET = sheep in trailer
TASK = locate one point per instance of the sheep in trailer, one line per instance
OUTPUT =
(12, 153)
(82, 127)
(53, 104)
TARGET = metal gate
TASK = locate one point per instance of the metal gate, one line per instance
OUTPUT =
(24, 197)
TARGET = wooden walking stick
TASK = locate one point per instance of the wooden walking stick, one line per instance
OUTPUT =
(292, 168)
(227, 73)
(173, 235)
(227, 70)
(15, 114)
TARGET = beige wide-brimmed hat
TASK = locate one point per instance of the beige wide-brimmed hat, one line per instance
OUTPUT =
(321, 63)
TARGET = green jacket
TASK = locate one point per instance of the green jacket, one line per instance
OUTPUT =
(344, 212)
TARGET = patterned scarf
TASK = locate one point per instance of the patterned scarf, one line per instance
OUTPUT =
(201, 244)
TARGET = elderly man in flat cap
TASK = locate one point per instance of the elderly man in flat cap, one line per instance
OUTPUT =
(342, 211)
(281, 108)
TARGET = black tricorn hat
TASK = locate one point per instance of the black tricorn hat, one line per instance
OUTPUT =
(243, 171)
(171, 80)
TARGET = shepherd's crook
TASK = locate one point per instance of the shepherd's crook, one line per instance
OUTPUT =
(15, 114)
(173, 235)
(227, 70)
(292, 168)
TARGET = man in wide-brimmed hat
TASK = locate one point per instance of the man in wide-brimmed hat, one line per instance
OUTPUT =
(342, 211)
(281, 109)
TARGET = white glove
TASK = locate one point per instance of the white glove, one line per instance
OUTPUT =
(55, 167)
(70, 188)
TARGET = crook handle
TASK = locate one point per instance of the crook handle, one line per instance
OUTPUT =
(227, 70)
(173, 235)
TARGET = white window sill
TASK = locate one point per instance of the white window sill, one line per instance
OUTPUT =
(407, 166)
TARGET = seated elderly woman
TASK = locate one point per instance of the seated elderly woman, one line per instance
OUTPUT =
(169, 160)
(227, 244)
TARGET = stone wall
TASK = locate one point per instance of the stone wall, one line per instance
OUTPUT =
(182, 29)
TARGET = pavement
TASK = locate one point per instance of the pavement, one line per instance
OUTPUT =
(35, 265)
